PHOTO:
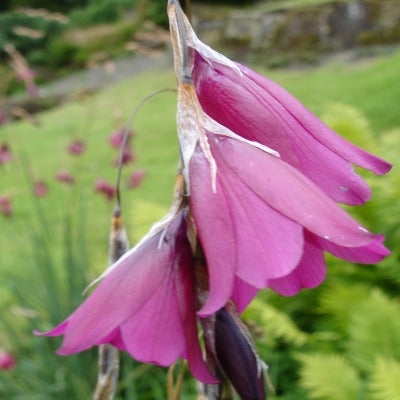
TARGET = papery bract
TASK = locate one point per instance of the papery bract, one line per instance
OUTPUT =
(145, 305)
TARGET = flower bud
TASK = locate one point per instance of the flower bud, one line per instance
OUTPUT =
(237, 358)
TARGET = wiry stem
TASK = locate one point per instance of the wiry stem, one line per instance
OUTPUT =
(125, 137)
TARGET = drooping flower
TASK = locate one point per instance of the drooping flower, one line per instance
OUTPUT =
(117, 138)
(260, 220)
(105, 188)
(145, 305)
(40, 189)
(5, 206)
(7, 361)
(135, 179)
(76, 147)
(258, 109)
(5, 154)
(64, 176)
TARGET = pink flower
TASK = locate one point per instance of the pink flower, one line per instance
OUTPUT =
(7, 361)
(64, 176)
(135, 179)
(5, 206)
(40, 189)
(76, 147)
(116, 139)
(258, 109)
(263, 220)
(145, 305)
(105, 188)
(5, 154)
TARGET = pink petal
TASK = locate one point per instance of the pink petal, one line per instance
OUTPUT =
(268, 244)
(155, 333)
(121, 294)
(213, 220)
(289, 192)
(318, 129)
(242, 294)
(252, 112)
(310, 272)
(185, 290)
(370, 254)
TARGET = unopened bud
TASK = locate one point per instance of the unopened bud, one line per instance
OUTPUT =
(237, 358)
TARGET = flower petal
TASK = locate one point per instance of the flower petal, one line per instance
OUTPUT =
(214, 225)
(289, 192)
(318, 129)
(123, 292)
(251, 111)
(370, 254)
(309, 273)
(242, 294)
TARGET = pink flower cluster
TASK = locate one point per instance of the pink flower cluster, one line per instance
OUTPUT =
(260, 180)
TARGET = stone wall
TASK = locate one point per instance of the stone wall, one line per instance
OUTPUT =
(331, 26)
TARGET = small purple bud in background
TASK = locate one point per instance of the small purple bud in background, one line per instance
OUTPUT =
(7, 361)
(40, 189)
(64, 176)
(237, 358)
(135, 179)
(76, 147)
(105, 188)
(3, 118)
(127, 157)
(5, 207)
(117, 138)
(5, 154)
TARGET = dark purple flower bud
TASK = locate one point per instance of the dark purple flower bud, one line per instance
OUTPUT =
(76, 147)
(237, 357)
(5, 206)
(64, 176)
(117, 138)
(7, 361)
(5, 154)
(105, 188)
(40, 189)
(135, 179)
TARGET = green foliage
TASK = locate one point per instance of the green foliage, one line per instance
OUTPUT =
(25, 44)
(99, 12)
(274, 323)
(374, 331)
(329, 377)
(385, 380)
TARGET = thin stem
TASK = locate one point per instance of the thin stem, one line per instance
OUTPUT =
(125, 138)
